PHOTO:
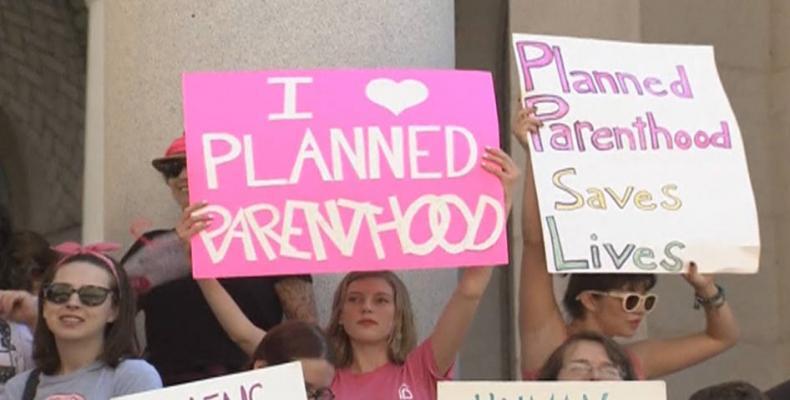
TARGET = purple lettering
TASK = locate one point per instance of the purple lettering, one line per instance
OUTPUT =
(577, 129)
(598, 138)
(683, 140)
(618, 138)
(561, 69)
(656, 130)
(649, 82)
(546, 113)
(621, 81)
(721, 139)
(584, 85)
(600, 77)
(545, 59)
(701, 139)
(681, 87)
(561, 139)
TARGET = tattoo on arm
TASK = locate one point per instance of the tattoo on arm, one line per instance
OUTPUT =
(296, 296)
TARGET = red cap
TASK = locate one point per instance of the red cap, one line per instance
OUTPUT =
(177, 149)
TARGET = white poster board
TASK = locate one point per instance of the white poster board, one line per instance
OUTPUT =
(566, 390)
(281, 382)
(640, 165)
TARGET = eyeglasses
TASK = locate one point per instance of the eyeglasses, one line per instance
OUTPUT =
(320, 394)
(631, 300)
(89, 295)
(583, 370)
(172, 168)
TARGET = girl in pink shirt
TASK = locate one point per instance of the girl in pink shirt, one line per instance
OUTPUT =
(372, 326)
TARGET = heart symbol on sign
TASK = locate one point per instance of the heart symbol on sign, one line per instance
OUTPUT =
(396, 96)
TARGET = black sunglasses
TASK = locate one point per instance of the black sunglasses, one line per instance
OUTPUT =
(89, 295)
(172, 168)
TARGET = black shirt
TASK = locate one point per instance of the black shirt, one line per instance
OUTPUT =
(779, 392)
(185, 342)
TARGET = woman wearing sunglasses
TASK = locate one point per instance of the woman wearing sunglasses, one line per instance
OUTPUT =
(84, 342)
(609, 304)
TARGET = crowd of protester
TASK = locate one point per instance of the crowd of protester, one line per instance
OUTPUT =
(68, 316)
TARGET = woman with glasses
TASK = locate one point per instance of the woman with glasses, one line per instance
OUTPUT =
(588, 356)
(84, 342)
(609, 304)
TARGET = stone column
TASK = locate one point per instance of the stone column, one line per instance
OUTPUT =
(780, 136)
(140, 48)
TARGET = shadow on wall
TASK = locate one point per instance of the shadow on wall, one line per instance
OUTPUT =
(13, 187)
(42, 100)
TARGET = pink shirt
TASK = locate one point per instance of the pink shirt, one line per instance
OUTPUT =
(414, 380)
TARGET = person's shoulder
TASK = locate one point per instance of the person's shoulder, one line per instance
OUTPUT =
(134, 365)
(15, 385)
(143, 240)
(134, 376)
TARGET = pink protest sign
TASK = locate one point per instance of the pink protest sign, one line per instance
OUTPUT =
(338, 170)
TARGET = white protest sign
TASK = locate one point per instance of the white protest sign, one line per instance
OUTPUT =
(564, 390)
(640, 165)
(282, 382)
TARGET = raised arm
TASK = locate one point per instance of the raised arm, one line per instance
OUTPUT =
(233, 320)
(661, 357)
(450, 329)
(541, 327)
(19, 306)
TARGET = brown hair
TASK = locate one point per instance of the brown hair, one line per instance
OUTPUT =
(404, 336)
(292, 340)
(120, 341)
(736, 390)
(33, 256)
(551, 368)
(579, 283)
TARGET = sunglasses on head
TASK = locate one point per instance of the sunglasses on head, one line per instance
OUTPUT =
(172, 168)
(631, 300)
(89, 295)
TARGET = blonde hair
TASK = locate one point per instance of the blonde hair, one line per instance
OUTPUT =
(403, 337)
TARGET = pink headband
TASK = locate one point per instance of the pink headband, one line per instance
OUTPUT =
(98, 250)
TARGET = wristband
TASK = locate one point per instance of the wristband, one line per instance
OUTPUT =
(716, 301)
